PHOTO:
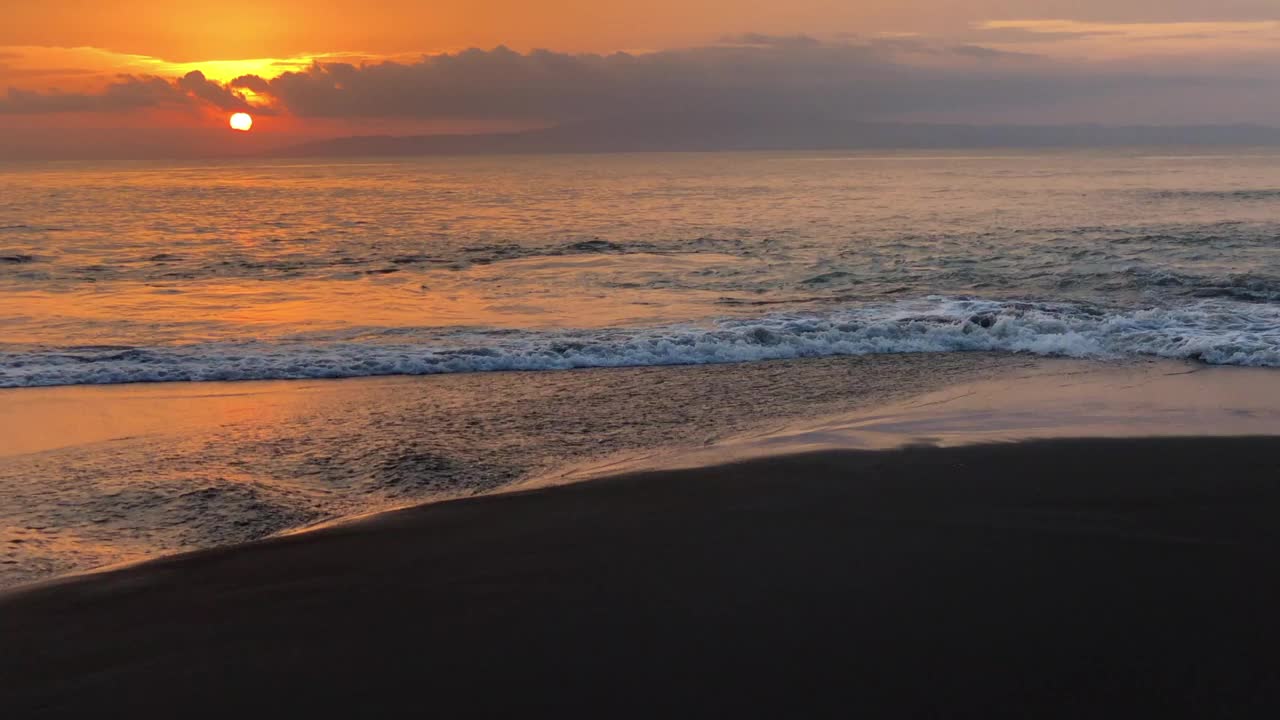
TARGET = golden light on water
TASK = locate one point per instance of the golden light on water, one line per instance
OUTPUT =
(242, 122)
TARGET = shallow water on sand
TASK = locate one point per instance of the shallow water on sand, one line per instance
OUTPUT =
(91, 476)
(1063, 401)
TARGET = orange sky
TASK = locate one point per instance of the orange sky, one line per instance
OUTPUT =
(199, 31)
(274, 28)
(54, 47)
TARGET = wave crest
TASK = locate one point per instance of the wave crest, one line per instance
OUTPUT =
(1223, 332)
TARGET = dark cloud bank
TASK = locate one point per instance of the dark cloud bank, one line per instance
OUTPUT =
(756, 74)
(125, 94)
(751, 91)
(128, 93)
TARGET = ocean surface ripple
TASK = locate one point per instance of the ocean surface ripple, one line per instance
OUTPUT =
(253, 270)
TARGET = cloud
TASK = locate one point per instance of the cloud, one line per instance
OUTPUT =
(1031, 32)
(787, 83)
(125, 94)
(1062, 29)
(756, 73)
(55, 72)
(986, 53)
(252, 83)
(128, 93)
(219, 96)
(763, 40)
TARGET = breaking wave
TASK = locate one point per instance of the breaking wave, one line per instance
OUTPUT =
(1216, 331)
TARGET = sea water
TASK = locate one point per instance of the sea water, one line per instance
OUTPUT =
(253, 269)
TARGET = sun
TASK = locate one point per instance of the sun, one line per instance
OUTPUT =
(241, 122)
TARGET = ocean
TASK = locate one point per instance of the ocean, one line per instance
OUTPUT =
(253, 270)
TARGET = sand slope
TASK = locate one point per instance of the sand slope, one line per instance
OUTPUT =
(1054, 578)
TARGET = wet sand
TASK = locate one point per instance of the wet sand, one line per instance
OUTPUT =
(99, 475)
(1062, 578)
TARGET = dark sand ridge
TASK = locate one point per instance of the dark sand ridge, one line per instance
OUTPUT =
(1090, 578)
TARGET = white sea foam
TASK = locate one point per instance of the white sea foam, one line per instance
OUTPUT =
(1218, 332)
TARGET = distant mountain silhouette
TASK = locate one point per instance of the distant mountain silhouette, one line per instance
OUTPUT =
(678, 132)
(666, 131)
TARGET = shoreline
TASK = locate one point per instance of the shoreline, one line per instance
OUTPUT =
(97, 476)
(153, 471)
(1046, 576)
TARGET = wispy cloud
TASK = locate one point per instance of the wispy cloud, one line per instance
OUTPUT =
(29, 61)
(1241, 34)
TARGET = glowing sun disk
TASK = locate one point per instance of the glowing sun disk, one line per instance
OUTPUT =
(241, 121)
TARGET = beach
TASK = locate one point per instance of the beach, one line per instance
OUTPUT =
(934, 554)
(709, 359)
(1048, 578)
(782, 433)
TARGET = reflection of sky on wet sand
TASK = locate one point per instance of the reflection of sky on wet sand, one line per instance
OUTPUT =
(33, 422)
(91, 475)
(1082, 400)
(104, 474)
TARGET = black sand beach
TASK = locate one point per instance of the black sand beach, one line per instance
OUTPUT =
(1066, 578)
